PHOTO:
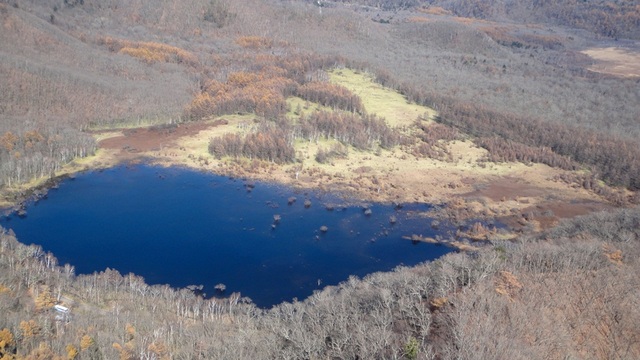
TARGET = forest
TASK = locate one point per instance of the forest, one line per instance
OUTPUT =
(509, 77)
(607, 18)
(571, 291)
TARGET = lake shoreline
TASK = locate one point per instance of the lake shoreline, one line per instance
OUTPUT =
(250, 224)
(458, 243)
(388, 177)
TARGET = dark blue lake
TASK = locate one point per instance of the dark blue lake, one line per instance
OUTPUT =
(181, 227)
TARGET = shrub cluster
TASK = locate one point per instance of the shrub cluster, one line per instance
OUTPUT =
(615, 161)
(432, 138)
(274, 141)
(150, 52)
(261, 93)
(502, 150)
(360, 131)
(269, 142)
(264, 84)
(254, 42)
(336, 151)
(332, 95)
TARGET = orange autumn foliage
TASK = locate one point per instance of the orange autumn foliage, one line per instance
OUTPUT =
(254, 42)
(29, 328)
(6, 340)
(151, 52)
(86, 342)
(263, 93)
(72, 352)
(44, 300)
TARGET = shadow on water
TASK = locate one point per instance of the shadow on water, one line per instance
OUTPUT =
(181, 227)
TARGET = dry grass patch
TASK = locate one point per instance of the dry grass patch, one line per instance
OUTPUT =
(103, 158)
(615, 61)
(381, 101)
(198, 145)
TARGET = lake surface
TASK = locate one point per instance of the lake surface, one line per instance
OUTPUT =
(181, 227)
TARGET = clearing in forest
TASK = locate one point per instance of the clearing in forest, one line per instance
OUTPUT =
(397, 174)
(615, 61)
(381, 101)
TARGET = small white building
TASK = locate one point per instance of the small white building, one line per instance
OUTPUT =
(61, 309)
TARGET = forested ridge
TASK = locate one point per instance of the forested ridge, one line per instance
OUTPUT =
(227, 73)
(524, 94)
(608, 18)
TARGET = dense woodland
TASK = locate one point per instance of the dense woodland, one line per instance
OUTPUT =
(608, 18)
(521, 92)
(618, 167)
(573, 291)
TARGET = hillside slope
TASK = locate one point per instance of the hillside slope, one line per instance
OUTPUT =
(488, 101)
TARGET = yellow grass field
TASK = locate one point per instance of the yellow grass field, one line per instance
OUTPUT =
(379, 100)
